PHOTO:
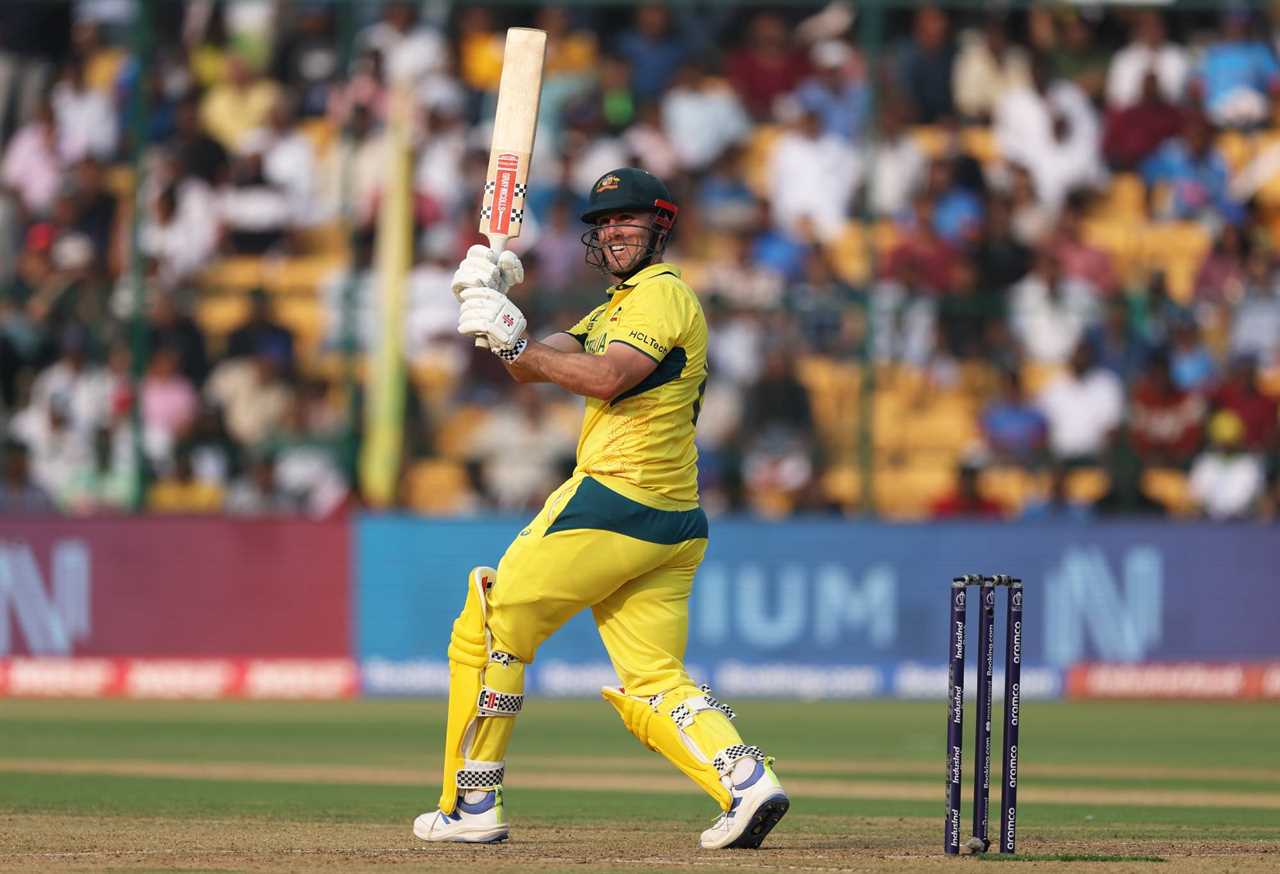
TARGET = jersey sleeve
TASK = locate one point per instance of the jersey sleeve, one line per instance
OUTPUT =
(580, 330)
(653, 321)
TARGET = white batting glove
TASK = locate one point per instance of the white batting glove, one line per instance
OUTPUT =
(491, 314)
(482, 267)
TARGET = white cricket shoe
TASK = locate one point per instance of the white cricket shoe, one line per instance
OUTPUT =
(481, 821)
(759, 802)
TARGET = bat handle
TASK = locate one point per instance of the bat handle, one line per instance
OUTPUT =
(497, 242)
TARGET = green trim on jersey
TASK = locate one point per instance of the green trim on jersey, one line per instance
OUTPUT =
(597, 507)
(668, 368)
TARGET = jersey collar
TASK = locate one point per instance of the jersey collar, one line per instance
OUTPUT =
(647, 273)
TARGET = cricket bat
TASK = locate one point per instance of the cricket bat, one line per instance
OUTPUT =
(514, 124)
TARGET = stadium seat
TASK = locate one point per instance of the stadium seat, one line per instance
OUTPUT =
(454, 438)
(437, 487)
(1125, 200)
(980, 143)
(1177, 249)
(119, 181)
(328, 239)
(834, 394)
(855, 252)
(758, 155)
(1237, 148)
(841, 484)
(1012, 487)
(1087, 484)
(219, 314)
(320, 131)
(306, 317)
(302, 274)
(1269, 380)
(930, 139)
(234, 273)
(945, 425)
(908, 491)
(1169, 487)
(1036, 376)
(1122, 240)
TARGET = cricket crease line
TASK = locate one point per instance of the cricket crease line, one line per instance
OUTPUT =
(591, 780)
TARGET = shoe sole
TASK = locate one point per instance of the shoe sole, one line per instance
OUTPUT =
(462, 839)
(477, 836)
(762, 822)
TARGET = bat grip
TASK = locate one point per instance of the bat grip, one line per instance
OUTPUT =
(497, 242)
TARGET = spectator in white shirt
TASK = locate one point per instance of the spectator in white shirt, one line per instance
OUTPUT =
(86, 119)
(289, 162)
(73, 384)
(257, 492)
(31, 164)
(410, 52)
(252, 394)
(521, 449)
(900, 164)
(256, 215)
(1048, 314)
(1227, 482)
(1053, 130)
(1149, 52)
(439, 173)
(180, 230)
(987, 66)
(648, 141)
(1083, 405)
(812, 178)
(702, 117)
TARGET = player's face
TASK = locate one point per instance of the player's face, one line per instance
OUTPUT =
(624, 238)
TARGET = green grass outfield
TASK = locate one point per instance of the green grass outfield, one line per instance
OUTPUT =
(266, 786)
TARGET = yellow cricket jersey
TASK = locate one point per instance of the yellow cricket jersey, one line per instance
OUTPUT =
(643, 439)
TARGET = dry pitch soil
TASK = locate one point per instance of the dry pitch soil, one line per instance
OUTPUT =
(81, 844)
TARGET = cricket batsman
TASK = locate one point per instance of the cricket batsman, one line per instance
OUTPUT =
(623, 536)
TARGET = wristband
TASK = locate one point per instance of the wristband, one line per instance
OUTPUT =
(510, 355)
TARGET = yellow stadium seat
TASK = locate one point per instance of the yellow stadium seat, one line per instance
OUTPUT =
(1177, 249)
(1169, 487)
(1125, 201)
(220, 314)
(907, 492)
(1087, 484)
(1237, 148)
(771, 503)
(1036, 376)
(980, 143)
(437, 487)
(119, 181)
(236, 273)
(1122, 240)
(432, 376)
(320, 131)
(1269, 381)
(849, 255)
(328, 239)
(758, 155)
(946, 426)
(306, 317)
(834, 393)
(455, 436)
(303, 274)
(842, 484)
(930, 139)
(1011, 487)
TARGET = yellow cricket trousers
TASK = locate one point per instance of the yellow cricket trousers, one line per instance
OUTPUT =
(632, 565)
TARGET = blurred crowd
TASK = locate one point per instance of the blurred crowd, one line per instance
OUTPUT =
(1010, 265)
